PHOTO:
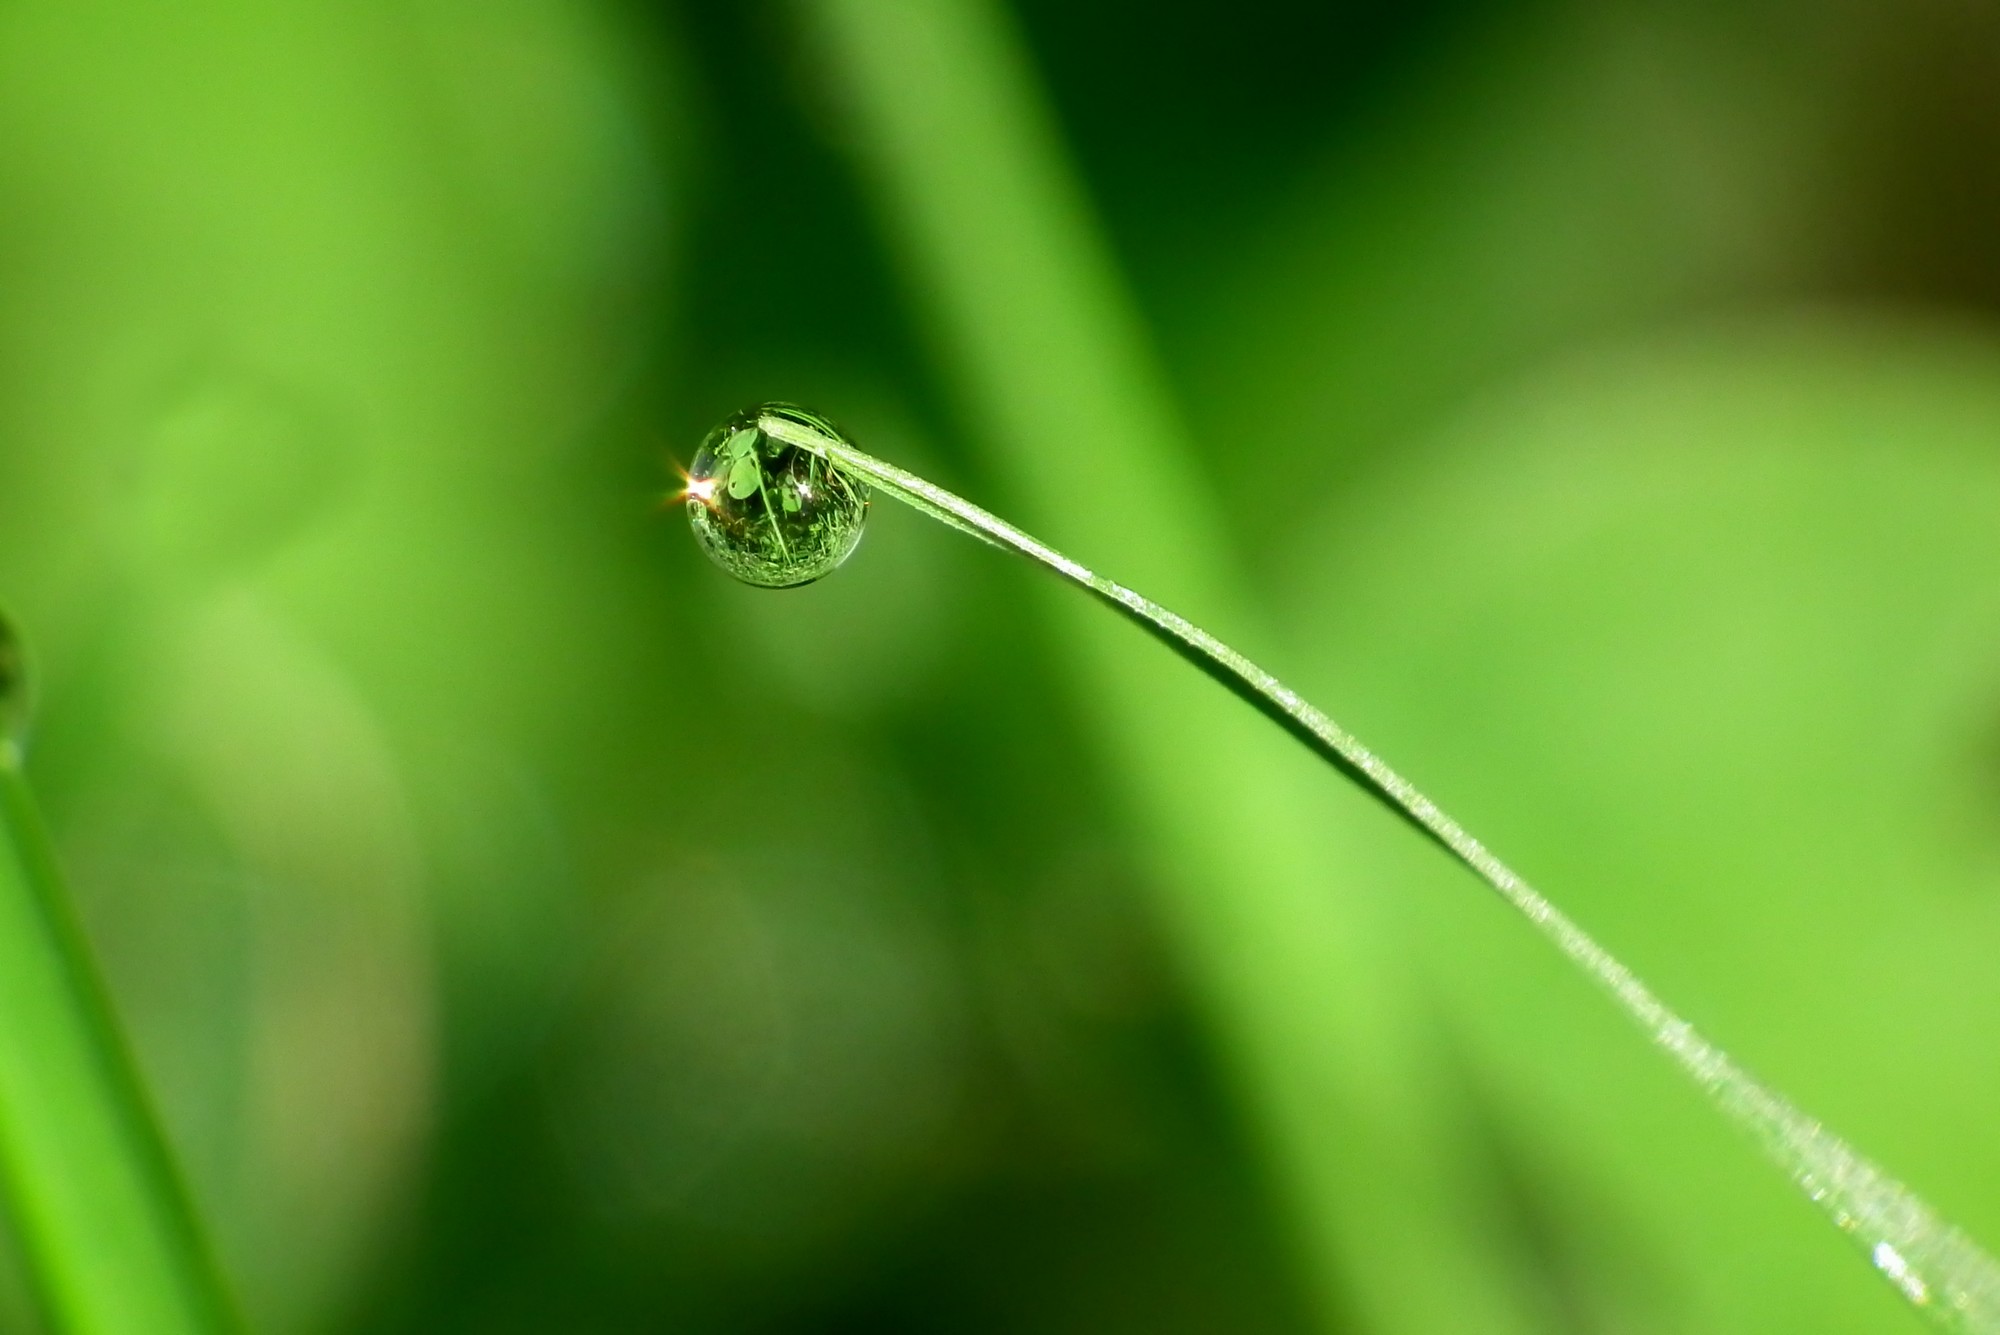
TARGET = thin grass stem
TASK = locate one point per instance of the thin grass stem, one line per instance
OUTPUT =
(1940, 1271)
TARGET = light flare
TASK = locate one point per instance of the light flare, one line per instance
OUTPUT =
(699, 489)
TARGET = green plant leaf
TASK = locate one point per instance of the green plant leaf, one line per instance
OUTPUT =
(744, 478)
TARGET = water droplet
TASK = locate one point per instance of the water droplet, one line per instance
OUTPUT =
(774, 513)
(13, 687)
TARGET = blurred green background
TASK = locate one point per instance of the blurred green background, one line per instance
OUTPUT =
(522, 928)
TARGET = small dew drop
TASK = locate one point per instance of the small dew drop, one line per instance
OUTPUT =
(774, 513)
(1891, 1263)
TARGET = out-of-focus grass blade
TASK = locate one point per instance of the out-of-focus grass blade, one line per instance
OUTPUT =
(1312, 1012)
(101, 1212)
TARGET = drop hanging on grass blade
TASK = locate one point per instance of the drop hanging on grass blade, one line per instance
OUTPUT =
(1939, 1270)
(769, 507)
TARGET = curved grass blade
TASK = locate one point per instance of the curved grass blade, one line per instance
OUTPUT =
(1939, 1270)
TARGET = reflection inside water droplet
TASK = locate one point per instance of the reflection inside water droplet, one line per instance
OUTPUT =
(774, 513)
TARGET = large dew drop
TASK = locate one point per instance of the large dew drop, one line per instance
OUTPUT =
(766, 505)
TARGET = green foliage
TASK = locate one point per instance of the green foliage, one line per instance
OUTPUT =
(521, 926)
